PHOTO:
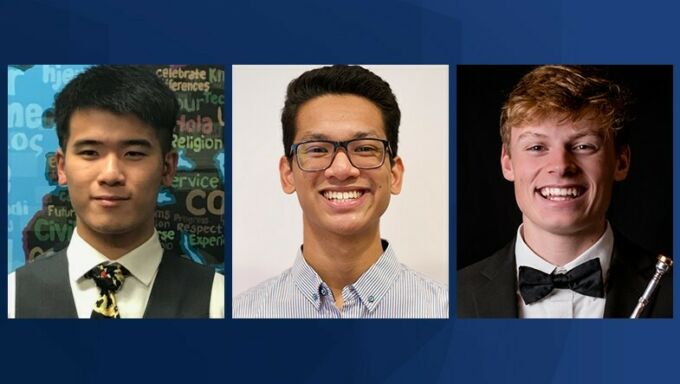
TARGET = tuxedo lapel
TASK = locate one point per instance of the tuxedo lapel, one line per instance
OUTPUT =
(488, 288)
(627, 279)
(497, 296)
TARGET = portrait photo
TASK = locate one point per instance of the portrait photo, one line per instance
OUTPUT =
(116, 191)
(271, 212)
(562, 168)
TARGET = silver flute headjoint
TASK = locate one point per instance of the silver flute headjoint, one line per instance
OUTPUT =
(663, 264)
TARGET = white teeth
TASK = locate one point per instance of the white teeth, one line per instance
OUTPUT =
(342, 196)
(560, 193)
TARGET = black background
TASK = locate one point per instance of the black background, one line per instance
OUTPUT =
(641, 206)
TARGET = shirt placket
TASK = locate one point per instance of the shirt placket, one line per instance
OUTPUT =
(351, 308)
(328, 308)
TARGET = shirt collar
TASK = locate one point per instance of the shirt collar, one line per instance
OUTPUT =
(142, 262)
(602, 250)
(371, 286)
(307, 280)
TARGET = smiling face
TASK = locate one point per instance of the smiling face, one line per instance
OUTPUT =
(113, 166)
(563, 174)
(341, 200)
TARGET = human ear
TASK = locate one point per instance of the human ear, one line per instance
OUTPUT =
(61, 174)
(286, 175)
(506, 164)
(397, 170)
(169, 168)
(622, 164)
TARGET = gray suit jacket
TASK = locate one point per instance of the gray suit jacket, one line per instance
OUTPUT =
(487, 289)
(181, 289)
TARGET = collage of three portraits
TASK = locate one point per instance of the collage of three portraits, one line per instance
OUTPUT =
(340, 191)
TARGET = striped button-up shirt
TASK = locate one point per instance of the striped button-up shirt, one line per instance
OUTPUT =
(388, 289)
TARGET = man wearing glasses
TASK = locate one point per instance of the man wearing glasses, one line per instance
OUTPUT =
(340, 133)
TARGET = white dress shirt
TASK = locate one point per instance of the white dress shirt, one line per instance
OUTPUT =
(142, 262)
(564, 303)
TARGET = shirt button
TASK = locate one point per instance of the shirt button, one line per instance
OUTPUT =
(324, 291)
(371, 299)
(315, 296)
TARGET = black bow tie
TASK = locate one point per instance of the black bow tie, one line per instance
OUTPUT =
(585, 279)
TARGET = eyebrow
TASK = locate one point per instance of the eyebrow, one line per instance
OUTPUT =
(530, 134)
(137, 142)
(320, 136)
(125, 143)
(578, 135)
(588, 133)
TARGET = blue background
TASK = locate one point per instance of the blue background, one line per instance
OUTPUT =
(351, 31)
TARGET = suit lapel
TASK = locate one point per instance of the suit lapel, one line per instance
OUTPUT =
(497, 297)
(628, 276)
(626, 281)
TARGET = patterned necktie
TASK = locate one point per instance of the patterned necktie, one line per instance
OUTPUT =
(109, 278)
(585, 279)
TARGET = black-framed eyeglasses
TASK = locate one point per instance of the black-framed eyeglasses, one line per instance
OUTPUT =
(318, 155)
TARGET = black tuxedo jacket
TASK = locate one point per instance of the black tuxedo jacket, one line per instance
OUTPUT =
(488, 288)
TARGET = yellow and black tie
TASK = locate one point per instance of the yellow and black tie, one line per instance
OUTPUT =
(109, 278)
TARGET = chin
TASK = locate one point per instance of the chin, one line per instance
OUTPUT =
(346, 227)
(112, 228)
(564, 227)
(112, 231)
(346, 230)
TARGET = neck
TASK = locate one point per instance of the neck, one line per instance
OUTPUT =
(114, 246)
(560, 249)
(341, 260)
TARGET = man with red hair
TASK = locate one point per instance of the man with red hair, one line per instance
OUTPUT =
(565, 144)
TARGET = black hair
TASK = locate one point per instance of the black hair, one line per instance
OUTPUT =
(119, 89)
(341, 80)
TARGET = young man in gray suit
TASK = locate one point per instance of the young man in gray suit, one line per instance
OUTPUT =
(115, 126)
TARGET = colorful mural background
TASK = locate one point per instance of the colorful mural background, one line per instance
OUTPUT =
(190, 214)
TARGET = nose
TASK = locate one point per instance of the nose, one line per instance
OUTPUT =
(563, 163)
(341, 168)
(112, 171)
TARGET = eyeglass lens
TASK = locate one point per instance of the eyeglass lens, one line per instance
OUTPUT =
(363, 153)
